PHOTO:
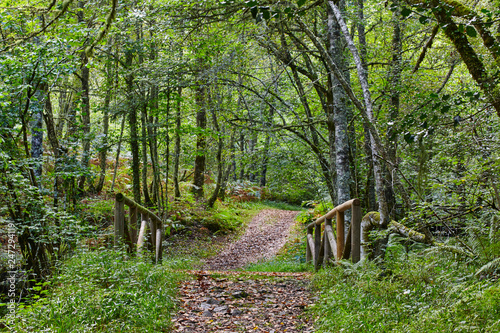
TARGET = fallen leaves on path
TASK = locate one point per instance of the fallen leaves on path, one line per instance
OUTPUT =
(221, 304)
(265, 236)
(229, 301)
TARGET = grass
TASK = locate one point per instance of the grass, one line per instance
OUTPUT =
(102, 291)
(416, 293)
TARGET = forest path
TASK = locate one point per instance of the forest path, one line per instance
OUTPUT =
(265, 235)
(221, 300)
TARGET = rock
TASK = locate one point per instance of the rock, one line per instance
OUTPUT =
(240, 294)
(207, 314)
(221, 309)
(236, 312)
(205, 306)
(213, 301)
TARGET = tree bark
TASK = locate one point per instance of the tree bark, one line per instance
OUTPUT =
(103, 150)
(177, 153)
(338, 112)
(201, 123)
(132, 120)
(85, 99)
(220, 162)
(374, 136)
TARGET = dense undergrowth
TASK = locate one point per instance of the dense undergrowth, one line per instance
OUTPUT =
(413, 292)
(413, 288)
(102, 291)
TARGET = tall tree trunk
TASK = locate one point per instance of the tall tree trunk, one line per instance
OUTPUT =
(369, 195)
(118, 150)
(339, 111)
(177, 153)
(85, 99)
(201, 123)
(242, 156)
(57, 150)
(132, 120)
(37, 133)
(153, 144)
(265, 151)
(220, 162)
(395, 82)
(374, 135)
(103, 150)
(144, 150)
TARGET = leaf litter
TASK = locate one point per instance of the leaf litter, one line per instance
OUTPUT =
(220, 300)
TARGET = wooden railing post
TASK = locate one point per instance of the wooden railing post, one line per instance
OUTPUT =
(339, 246)
(152, 227)
(340, 234)
(158, 254)
(317, 245)
(130, 232)
(309, 246)
(119, 221)
(327, 247)
(133, 224)
(142, 232)
(356, 232)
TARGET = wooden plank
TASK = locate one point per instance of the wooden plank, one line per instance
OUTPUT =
(133, 224)
(317, 245)
(119, 222)
(356, 233)
(153, 228)
(331, 240)
(347, 245)
(340, 234)
(310, 241)
(127, 238)
(308, 248)
(142, 232)
(327, 252)
(331, 214)
(140, 209)
(158, 255)
(321, 252)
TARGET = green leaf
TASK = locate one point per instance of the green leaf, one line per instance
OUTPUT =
(445, 109)
(471, 32)
(405, 12)
(266, 14)
(423, 19)
(301, 3)
(251, 3)
(254, 11)
(409, 138)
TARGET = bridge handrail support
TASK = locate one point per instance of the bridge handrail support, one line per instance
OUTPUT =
(327, 245)
(128, 231)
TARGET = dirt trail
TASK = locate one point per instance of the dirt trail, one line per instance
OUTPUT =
(229, 301)
(265, 235)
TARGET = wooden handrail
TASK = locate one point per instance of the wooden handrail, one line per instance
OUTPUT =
(128, 231)
(341, 247)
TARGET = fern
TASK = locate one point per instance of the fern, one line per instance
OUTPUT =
(489, 267)
(452, 249)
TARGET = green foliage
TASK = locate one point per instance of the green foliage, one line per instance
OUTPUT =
(103, 292)
(411, 293)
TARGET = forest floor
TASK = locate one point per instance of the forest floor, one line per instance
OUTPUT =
(219, 299)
